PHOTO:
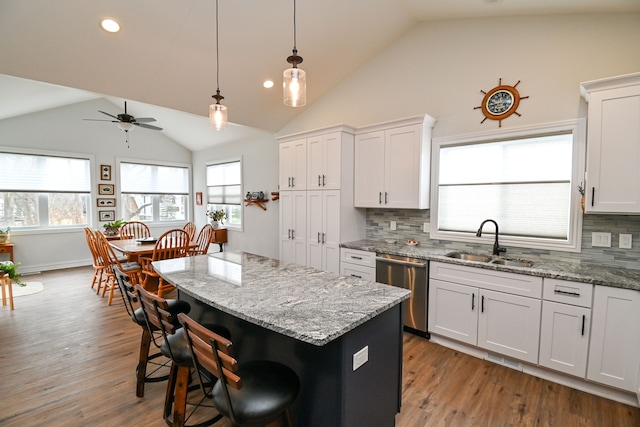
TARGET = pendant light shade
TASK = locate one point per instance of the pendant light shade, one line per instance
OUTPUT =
(294, 83)
(217, 111)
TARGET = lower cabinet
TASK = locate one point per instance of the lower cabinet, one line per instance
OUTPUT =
(614, 351)
(293, 227)
(357, 263)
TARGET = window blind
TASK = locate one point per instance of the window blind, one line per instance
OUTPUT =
(46, 174)
(136, 178)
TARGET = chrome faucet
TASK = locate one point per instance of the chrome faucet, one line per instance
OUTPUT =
(496, 247)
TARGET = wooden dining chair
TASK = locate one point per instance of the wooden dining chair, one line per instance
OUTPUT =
(205, 237)
(98, 262)
(133, 270)
(190, 228)
(134, 230)
(259, 392)
(172, 244)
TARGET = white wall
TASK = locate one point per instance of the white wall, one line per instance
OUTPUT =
(259, 173)
(63, 130)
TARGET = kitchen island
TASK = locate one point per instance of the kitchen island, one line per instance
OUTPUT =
(320, 324)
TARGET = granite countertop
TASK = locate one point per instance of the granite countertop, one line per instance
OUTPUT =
(300, 302)
(597, 275)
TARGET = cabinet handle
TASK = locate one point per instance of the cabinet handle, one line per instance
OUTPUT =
(319, 181)
(593, 195)
(293, 181)
(323, 238)
(355, 275)
(356, 257)
(473, 302)
(482, 305)
(324, 183)
(318, 237)
(386, 197)
(293, 233)
(573, 294)
(380, 198)
(584, 318)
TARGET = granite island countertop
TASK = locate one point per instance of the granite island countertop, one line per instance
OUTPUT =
(300, 302)
(597, 275)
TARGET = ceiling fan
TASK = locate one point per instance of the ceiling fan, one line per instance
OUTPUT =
(126, 122)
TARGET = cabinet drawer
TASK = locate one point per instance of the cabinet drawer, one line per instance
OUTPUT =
(501, 281)
(355, 256)
(566, 292)
(359, 271)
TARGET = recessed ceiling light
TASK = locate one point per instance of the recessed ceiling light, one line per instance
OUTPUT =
(268, 84)
(110, 25)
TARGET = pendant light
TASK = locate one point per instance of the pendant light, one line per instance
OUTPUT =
(217, 111)
(295, 80)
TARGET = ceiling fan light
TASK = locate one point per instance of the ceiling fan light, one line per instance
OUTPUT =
(294, 87)
(125, 126)
(218, 116)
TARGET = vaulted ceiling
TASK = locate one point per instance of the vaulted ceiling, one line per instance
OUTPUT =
(164, 59)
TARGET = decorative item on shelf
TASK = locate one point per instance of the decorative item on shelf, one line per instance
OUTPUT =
(11, 268)
(295, 79)
(256, 198)
(581, 191)
(217, 111)
(113, 228)
(216, 217)
(500, 102)
(275, 195)
(5, 235)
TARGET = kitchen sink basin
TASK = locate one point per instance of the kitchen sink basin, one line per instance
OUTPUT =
(512, 262)
(469, 257)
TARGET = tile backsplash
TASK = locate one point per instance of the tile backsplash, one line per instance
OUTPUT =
(409, 224)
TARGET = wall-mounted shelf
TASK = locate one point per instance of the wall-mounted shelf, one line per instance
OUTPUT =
(259, 203)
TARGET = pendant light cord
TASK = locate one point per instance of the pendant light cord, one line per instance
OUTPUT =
(217, 51)
(294, 26)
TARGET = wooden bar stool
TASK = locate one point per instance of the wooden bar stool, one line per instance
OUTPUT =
(6, 280)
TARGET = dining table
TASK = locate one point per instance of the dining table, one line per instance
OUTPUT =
(134, 249)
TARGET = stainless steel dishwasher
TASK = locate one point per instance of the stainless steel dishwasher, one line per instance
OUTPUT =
(407, 273)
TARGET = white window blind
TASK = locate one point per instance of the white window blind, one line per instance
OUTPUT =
(40, 173)
(138, 178)
(524, 184)
(224, 184)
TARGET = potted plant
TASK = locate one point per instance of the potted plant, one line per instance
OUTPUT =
(5, 235)
(11, 269)
(112, 228)
(216, 216)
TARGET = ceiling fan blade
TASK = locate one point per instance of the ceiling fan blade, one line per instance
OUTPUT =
(110, 115)
(142, 125)
(102, 120)
(145, 119)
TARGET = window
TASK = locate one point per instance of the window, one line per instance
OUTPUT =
(526, 180)
(224, 191)
(44, 191)
(154, 193)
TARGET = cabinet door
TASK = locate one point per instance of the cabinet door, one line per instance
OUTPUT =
(293, 165)
(293, 227)
(324, 161)
(614, 351)
(564, 337)
(314, 229)
(453, 311)
(323, 230)
(510, 325)
(613, 145)
(402, 167)
(369, 170)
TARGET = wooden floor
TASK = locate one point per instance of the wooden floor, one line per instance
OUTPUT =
(68, 359)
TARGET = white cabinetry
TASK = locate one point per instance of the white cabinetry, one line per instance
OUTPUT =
(614, 351)
(565, 326)
(392, 164)
(357, 263)
(494, 310)
(613, 144)
(327, 217)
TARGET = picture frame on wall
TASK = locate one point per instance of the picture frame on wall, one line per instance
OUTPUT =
(106, 203)
(198, 198)
(105, 172)
(106, 189)
(107, 215)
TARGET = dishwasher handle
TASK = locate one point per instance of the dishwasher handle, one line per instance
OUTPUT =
(419, 264)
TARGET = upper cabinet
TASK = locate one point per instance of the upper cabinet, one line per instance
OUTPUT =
(293, 165)
(392, 164)
(613, 145)
(324, 160)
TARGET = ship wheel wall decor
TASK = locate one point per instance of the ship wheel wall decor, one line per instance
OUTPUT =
(500, 102)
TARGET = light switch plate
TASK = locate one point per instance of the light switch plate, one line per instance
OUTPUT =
(361, 357)
(425, 227)
(392, 225)
(601, 240)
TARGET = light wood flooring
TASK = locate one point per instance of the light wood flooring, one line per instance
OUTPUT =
(68, 359)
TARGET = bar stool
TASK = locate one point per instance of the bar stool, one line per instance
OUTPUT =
(257, 393)
(175, 347)
(145, 357)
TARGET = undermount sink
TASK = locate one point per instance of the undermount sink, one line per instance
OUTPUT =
(509, 262)
(469, 257)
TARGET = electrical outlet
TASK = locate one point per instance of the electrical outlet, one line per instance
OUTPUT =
(361, 357)
(625, 241)
(425, 227)
(392, 225)
(601, 240)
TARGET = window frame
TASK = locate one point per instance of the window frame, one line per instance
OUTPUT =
(155, 197)
(206, 184)
(91, 209)
(573, 243)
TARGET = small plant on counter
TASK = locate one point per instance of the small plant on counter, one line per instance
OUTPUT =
(217, 215)
(11, 268)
